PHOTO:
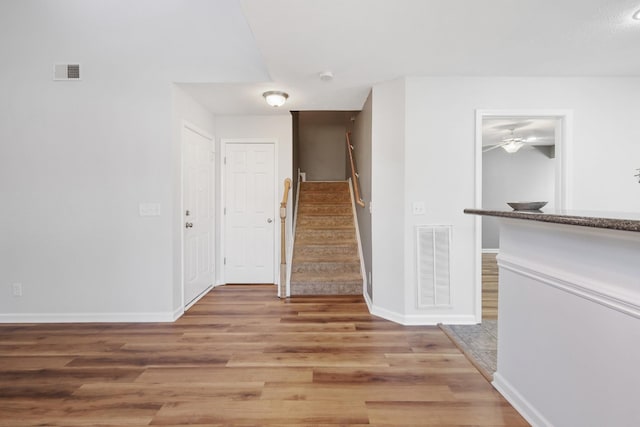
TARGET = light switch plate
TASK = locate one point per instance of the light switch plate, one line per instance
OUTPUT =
(419, 208)
(149, 209)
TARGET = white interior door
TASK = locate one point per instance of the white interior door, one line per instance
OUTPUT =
(250, 207)
(199, 214)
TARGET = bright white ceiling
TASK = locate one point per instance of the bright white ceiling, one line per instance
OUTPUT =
(494, 130)
(369, 41)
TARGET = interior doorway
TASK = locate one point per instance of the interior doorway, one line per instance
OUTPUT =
(520, 155)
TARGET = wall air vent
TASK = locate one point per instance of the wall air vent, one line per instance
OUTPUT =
(434, 277)
(66, 72)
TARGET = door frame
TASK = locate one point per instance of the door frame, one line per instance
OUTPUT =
(564, 146)
(180, 219)
(276, 202)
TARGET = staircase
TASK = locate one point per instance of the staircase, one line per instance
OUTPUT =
(325, 255)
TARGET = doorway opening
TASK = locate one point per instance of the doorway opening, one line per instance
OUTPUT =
(520, 155)
(545, 138)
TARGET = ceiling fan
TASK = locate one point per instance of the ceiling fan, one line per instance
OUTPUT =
(511, 143)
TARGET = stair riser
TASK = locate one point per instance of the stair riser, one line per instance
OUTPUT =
(324, 186)
(325, 250)
(322, 209)
(352, 288)
(325, 221)
(327, 268)
(311, 197)
(320, 236)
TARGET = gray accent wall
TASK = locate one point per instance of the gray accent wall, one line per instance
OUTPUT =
(361, 140)
(321, 148)
(527, 175)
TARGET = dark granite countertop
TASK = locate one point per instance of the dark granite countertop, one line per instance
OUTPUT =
(610, 220)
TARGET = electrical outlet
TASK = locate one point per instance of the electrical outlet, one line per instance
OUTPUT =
(16, 289)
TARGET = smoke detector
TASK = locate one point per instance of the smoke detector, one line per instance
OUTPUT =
(326, 76)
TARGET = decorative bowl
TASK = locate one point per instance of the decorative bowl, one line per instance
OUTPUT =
(527, 206)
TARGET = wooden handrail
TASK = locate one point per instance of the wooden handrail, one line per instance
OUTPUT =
(354, 172)
(283, 243)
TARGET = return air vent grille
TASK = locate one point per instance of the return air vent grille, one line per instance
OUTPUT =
(434, 278)
(66, 72)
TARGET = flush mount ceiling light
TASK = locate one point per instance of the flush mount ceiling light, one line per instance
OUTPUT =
(275, 98)
(636, 15)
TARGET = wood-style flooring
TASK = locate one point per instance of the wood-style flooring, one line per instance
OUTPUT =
(241, 357)
(489, 286)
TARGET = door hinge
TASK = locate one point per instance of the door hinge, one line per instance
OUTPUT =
(225, 211)
(225, 160)
(225, 261)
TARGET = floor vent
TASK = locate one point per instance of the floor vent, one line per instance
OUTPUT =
(434, 284)
(66, 72)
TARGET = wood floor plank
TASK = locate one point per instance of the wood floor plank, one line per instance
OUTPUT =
(242, 357)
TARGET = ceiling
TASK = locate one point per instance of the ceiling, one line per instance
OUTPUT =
(494, 130)
(364, 42)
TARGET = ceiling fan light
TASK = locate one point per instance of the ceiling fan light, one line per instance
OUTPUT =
(275, 98)
(513, 146)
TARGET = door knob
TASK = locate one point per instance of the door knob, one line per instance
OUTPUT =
(188, 225)
(269, 220)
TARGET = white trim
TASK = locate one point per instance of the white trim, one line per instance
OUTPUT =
(590, 289)
(198, 298)
(276, 201)
(419, 319)
(522, 405)
(490, 251)
(563, 174)
(363, 268)
(162, 316)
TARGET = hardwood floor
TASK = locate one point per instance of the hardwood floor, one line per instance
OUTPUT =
(489, 286)
(241, 357)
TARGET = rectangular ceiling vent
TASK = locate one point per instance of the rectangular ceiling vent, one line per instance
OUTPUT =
(434, 274)
(66, 72)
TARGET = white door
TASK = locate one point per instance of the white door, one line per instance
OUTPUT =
(199, 214)
(250, 207)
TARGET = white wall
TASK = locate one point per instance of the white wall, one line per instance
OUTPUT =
(440, 150)
(387, 198)
(277, 127)
(185, 111)
(361, 141)
(526, 175)
(77, 158)
(423, 141)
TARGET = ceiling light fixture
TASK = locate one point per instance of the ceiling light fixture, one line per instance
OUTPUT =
(275, 98)
(513, 146)
(636, 15)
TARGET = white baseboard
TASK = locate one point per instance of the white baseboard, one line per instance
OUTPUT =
(419, 319)
(167, 316)
(522, 405)
(490, 251)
